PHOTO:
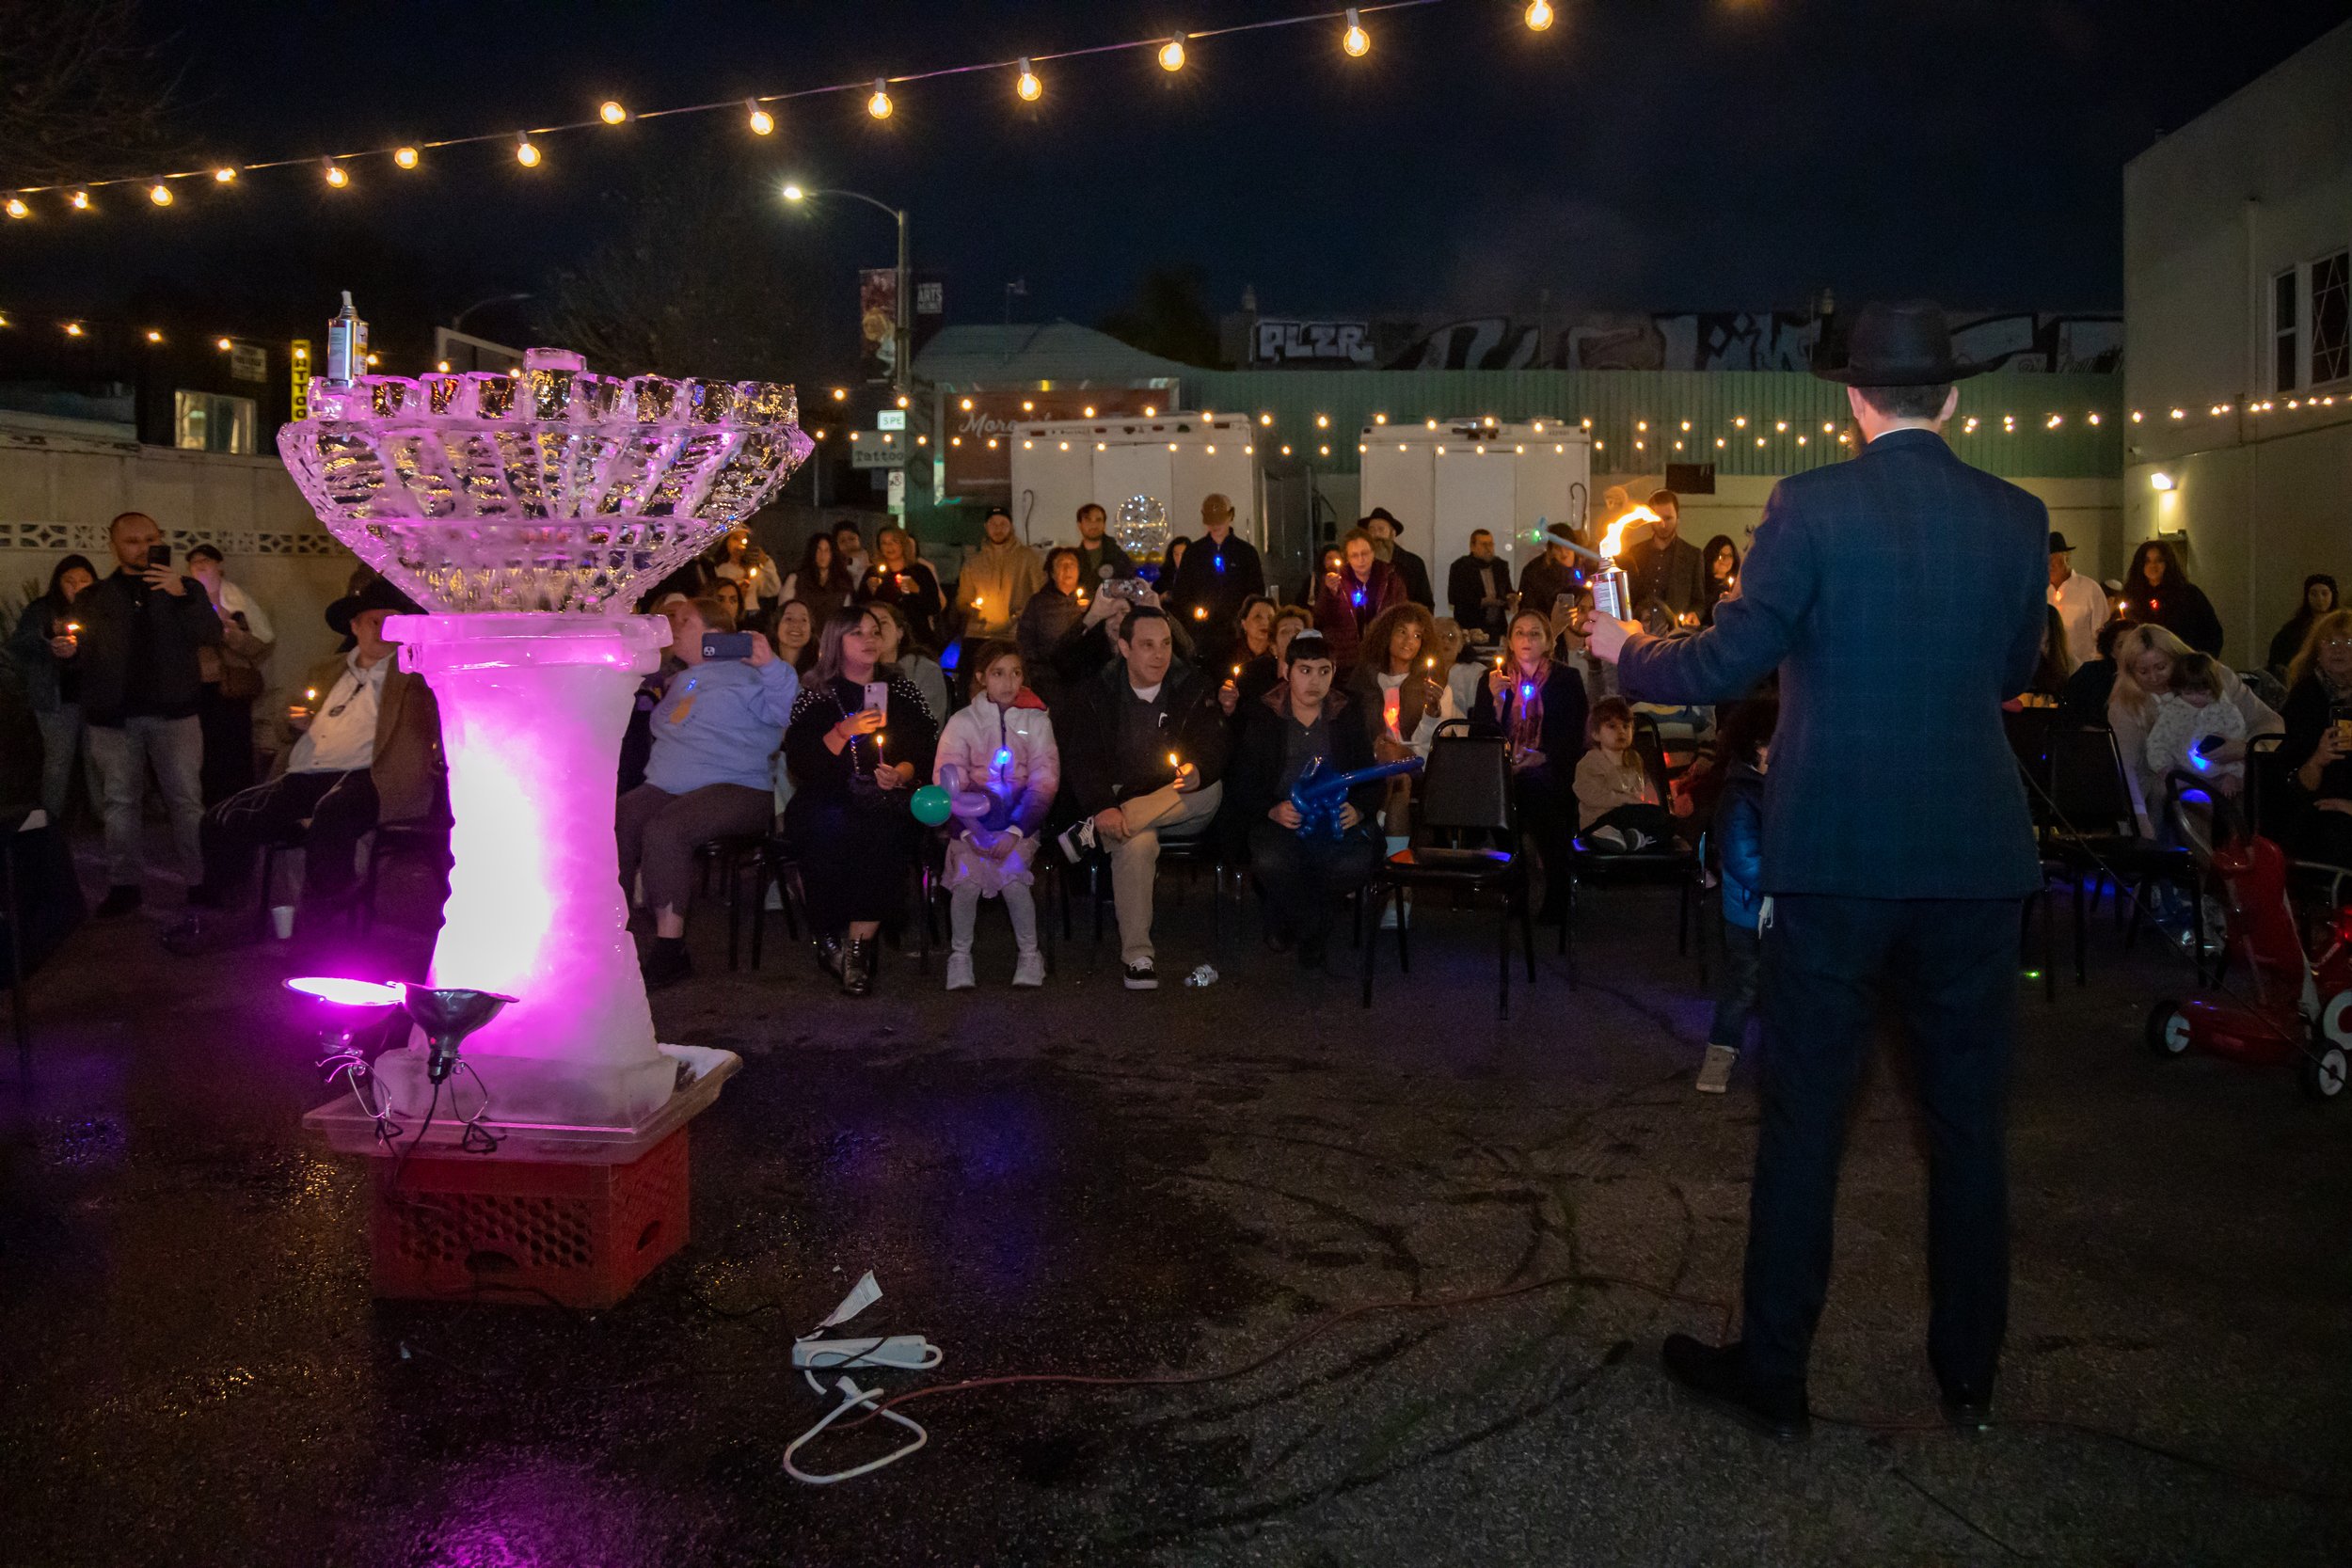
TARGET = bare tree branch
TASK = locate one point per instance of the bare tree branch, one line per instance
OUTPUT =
(85, 93)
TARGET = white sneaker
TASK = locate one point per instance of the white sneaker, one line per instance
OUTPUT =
(1077, 841)
(1715, 1072)
(1142, 976)
(960, 972)
(1029, 969)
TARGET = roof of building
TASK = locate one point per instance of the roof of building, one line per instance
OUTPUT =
(1058, 351)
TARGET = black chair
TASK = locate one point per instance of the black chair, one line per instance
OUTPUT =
(734, 855)
(424, 839)
(2094, 830)
(1206, 848)
(1670, 862)
(1465, 792)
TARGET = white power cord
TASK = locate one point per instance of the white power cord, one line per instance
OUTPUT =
(896, 1352)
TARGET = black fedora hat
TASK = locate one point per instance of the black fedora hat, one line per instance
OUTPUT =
(1900, 345)
(377, 594)
(2059, 544)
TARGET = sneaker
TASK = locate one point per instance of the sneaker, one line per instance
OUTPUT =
(1715, 1072)
(1077, 842)
(1029, 969)
(1605, 840)
(960, 972)
(119, 900)
(1142, 976)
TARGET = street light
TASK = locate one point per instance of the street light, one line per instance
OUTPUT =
(903, 338)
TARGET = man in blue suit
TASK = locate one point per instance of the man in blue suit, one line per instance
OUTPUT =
(1900, 597)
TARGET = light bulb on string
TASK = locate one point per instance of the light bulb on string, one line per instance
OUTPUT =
(16, 209)
(879, 106)
(1173, 55)
(79, 201)
(1027, 84)
(525, 153)
(337, 175)
(611, 112)
(1539, 15)
(153, 335)
(759, 119)
(1354, 41)
(404, 157)
(73, 329)
(159, 194)
(225, 175)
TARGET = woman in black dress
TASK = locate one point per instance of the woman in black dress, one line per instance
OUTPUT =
(2158, 593)
(2319, 598)
(854, 766)
(900, 576)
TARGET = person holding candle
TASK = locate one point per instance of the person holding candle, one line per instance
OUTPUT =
(1353, 597)
(47, 646)
(1216, 575)
(753, 571)
(1553, 574)
(2157, 592)
(1397, 696)
(1667, 575)
(717, 723)
(901, 579)
(859, 738)
(999, 579)
(998, 760)
(1247, 680)
(1301, 723)
(2082, 604)
(141, 683)
(848, 548)
(903, 656)
(1722, 558)
(1144, 757)
(1538, 704)
(367, 749)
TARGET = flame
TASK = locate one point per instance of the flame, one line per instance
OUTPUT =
(1613, 541)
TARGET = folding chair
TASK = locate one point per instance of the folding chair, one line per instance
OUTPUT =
(1465, 789)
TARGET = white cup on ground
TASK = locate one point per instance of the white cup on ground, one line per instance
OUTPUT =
(281, 919)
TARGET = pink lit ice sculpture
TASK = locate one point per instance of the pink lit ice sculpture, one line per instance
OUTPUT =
(530, 511)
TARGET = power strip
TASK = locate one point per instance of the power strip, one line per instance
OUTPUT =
(910, 1353)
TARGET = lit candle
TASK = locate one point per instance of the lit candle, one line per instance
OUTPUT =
(311, 693)
(977, 603)
(74, 629)
(1199, 613)
(1392, 710)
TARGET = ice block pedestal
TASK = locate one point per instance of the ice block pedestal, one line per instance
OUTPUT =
(532, 708)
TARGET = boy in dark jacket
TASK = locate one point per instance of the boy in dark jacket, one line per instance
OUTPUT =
(1299, 722)
(1738, 834)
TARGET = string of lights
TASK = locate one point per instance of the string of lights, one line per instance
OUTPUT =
(1171, 51)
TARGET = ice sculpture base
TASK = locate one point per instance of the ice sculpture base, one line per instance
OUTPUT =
(696, 1071)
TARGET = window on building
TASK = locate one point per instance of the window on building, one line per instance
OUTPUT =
(209, 421)
(2283, 292)
(2332, 318)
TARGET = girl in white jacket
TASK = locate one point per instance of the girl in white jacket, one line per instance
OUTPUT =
(998, 761)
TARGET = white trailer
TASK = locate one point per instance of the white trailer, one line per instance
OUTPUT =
(1176, 458)
(1443, 483)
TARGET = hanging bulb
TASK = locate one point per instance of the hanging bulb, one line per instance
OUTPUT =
(225, 175)
(17, 208)
(159, 194)
(525, 153)
(879, 104)
(79, 201)
(153, 335)
(1172, 55)
(1539, 15)
(1027, 84)
(404, 157)
(73, 329)
(335, 174)
(611, 112)
(760, 121)
(1354, 41)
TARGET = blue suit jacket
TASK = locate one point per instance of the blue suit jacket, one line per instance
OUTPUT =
(1902, 595)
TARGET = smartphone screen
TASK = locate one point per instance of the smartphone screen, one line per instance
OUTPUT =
(159, 555)
(878, 696)
(726, 645)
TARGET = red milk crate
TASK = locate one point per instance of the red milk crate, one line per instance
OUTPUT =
(480, 1227)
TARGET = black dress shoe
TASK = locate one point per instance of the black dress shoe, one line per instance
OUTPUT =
(1968, 1407)
(1718, 1374)
(857, 967)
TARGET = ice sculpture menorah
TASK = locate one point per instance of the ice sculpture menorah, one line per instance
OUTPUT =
(526, 512)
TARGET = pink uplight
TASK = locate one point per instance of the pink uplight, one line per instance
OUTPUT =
(348, 993)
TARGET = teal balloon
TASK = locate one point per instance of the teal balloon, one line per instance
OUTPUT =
(932, 806)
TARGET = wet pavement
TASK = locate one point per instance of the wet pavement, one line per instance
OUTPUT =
(1088, 1181)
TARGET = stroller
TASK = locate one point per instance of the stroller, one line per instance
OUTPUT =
(2300, 1008)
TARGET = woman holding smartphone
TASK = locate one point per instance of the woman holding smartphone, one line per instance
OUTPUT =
(859, 739)
(706, 777)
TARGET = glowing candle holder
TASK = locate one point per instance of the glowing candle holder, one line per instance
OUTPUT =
(530, 511)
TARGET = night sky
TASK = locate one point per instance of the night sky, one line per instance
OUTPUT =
(1654, 154)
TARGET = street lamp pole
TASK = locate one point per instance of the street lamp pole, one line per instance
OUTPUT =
(902, 333)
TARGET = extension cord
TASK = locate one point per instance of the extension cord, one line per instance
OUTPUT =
(909, 1353)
